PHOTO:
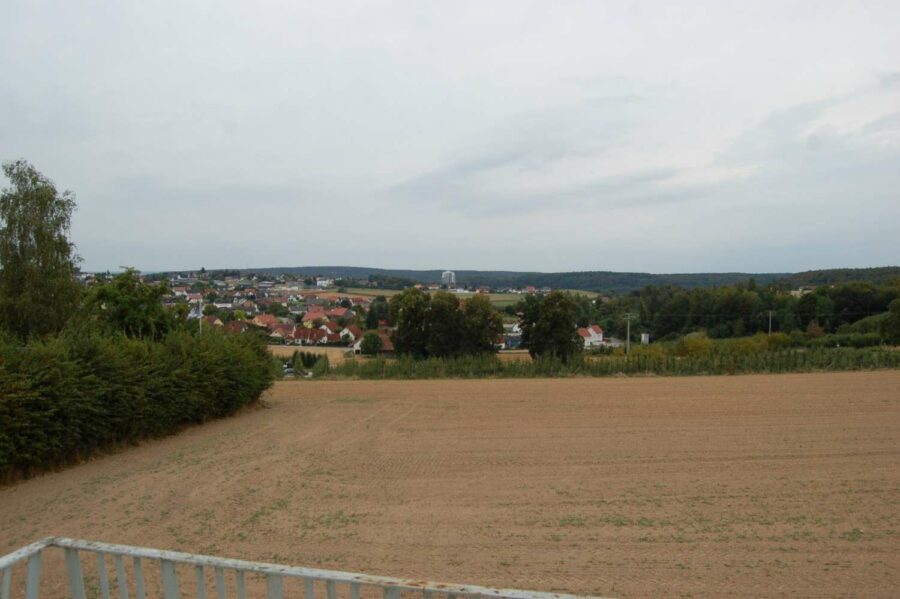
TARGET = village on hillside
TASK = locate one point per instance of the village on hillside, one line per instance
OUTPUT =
(317, 311)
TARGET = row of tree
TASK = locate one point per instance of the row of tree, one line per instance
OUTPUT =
(440, 325)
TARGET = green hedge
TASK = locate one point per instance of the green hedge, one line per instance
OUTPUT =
(66, 398)
(640, 362)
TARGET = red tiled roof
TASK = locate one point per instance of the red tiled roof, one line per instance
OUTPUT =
(266, 320)
(386, 343)
(314, 314)
(236, 326)
(285, 329)
(305, 334)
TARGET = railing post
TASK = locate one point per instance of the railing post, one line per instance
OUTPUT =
(308, 584)
(4, 584)
(76, 579)
(101, 574)
(241, 589)
(220, 583)
(201, 582)
(139, 579)
(274, 586)
(170, 580)
(120, 577)
(33, 582)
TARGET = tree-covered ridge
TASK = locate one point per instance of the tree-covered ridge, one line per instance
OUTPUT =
(597, 281)
(878, 275)
(605, 282)
(736, 310)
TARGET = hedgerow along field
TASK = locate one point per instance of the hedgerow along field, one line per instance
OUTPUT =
(758, 485)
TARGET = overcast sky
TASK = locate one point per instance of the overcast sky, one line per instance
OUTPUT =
(488, 135)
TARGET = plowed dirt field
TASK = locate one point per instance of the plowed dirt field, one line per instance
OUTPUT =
(783, 485)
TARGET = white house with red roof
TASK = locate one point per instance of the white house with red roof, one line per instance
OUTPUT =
(591, 335)
(353, 332)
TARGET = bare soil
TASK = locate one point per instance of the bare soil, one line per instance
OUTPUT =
(785, 485)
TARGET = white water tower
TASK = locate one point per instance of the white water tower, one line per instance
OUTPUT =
(448, 278)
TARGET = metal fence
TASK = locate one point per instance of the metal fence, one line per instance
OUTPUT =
(133, 565)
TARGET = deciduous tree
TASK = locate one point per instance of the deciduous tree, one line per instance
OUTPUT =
(371, 344)
(128, 305)
(482, 325)
(38, 264)
(409, 313)
(554, 333)
(444, 326)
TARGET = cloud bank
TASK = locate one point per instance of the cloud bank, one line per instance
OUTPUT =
(503, 135)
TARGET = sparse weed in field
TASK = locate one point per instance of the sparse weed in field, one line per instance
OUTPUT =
(578, 521)
(853, 535)
(352, 400)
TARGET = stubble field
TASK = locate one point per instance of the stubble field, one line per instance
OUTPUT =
(782, 485)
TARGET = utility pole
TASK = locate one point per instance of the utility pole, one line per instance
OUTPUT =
(770, 322)
(628, 333)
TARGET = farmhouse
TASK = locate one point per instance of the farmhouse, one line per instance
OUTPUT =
(591, 335)
(353, 333)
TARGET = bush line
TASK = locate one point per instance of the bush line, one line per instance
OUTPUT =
(69, 397)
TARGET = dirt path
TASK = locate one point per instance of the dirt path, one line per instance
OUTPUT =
(783, 485)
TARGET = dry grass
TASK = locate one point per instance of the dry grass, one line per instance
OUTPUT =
(336, 355)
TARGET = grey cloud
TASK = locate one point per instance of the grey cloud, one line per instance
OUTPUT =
(298, 133)
(890, 122)
(891, 79)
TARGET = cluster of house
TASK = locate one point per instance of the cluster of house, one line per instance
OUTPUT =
(284, 331)
(315, 317)
(252, 300)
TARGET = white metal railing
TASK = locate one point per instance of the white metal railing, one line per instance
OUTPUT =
(274, 574)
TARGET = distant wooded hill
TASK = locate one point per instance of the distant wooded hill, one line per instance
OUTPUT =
(597, 281)
(879, 275)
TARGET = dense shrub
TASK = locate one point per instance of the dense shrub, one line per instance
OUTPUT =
(869, 324)
(68, 397)
(321, 366)
(694, 344)
(847, 340)
(304, 360)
